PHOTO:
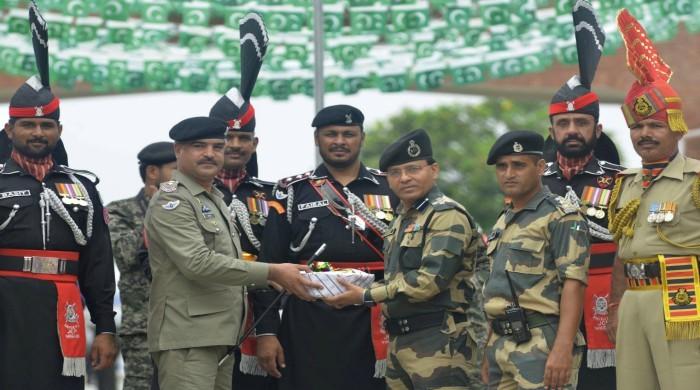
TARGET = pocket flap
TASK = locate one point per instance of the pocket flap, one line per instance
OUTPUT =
(528, 245)
(208, 304)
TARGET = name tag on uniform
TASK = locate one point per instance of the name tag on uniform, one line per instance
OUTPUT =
(14, 194)
(312, 205)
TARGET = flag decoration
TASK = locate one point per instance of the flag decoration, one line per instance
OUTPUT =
(162, 45)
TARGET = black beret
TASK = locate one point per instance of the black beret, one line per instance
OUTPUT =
(199, 127)
(516, 142)
(340, 114)
(410, 147)
(157, 153)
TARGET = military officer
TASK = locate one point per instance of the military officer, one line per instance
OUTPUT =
(430, 253)
(248, 197)
(54, 248)
(654, 219)
(539, 259)
(196, 303)
(156, 164)
(582, 166)
(347, 206)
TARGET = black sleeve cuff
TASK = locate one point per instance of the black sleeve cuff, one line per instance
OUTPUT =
(105, 323)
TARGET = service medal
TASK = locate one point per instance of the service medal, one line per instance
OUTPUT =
(389, 216)
(380, 214)
(591, 212)
(659, 217)
(600, 214)
(669, 217)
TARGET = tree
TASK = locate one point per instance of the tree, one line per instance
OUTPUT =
(462, 136)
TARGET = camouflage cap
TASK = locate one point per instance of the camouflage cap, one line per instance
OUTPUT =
(516, 142)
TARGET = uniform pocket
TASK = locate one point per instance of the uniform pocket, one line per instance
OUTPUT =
(208, 304)
(525, 256)
(411, 250)
(12, 208)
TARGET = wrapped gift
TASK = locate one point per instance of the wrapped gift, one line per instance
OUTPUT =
(331, 286)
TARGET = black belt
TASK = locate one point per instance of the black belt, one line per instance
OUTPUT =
(642, 270)
(501, 326)
(401, 326)
(53, 266)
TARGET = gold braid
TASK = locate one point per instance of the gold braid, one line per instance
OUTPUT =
(695, 191)
(622, 222)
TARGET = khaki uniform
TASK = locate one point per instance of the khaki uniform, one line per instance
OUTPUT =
(196, 305)
(645, 358)
(540, 246)
(430, 254)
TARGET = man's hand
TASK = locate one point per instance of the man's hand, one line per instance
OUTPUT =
(104, 350)
(557, 370)
(353, 295)
(611, 326)
(270, 355)
(288, 276)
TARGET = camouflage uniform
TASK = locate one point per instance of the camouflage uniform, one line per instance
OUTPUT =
(541, 245)
(126, 230)
(430, 254)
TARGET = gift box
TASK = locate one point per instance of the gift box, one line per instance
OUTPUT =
(331, 286)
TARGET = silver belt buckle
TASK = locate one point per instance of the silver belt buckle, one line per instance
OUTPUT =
(636, 271)
(43, 265)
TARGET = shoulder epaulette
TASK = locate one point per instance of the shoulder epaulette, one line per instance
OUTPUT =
(288, 181)
(548, 169)
(84, 173)
(627, 172)
(376, 171)
(259, 182)
(443, 202)
(610, 166)
(169, 186)
(566, 205)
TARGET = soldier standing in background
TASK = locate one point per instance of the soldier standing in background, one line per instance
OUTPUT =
(345, 205)
(431, 251)
(580, 169)
(248, 197)
(539, 262)
(156, 164)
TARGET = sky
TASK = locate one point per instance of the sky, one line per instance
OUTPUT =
(103, 134)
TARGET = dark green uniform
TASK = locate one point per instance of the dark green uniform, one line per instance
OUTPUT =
(430, 254)
(540, 246)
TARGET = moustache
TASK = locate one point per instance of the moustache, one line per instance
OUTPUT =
(645, 140)
(232, 150)
(574, 137)
(339, 149)
(38, 140)
(206, 161)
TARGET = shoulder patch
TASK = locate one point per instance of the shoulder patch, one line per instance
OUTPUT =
(567, 206)
(169, 186)
(172, 205)
(376, 171)
(610, 166)
(288, 181)
(81, 172)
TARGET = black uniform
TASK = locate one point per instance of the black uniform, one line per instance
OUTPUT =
(30, 354)
(596, 174)
(251, 192)
(324, 348)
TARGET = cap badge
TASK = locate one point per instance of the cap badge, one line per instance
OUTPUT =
(517, 148)
(642, 106)
(413, 149)
(348, 118)
(236, 124)
(39, 111)
(570, 106)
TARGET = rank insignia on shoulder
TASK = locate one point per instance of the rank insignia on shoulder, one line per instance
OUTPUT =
(567, 206)
(168, 186)
(280, 195)
(172, 205)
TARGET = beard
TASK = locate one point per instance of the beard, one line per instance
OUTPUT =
(587, 146)
(336, 163)
(27, 151)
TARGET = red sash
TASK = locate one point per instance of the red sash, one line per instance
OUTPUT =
(70, 323)
(601, 351)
